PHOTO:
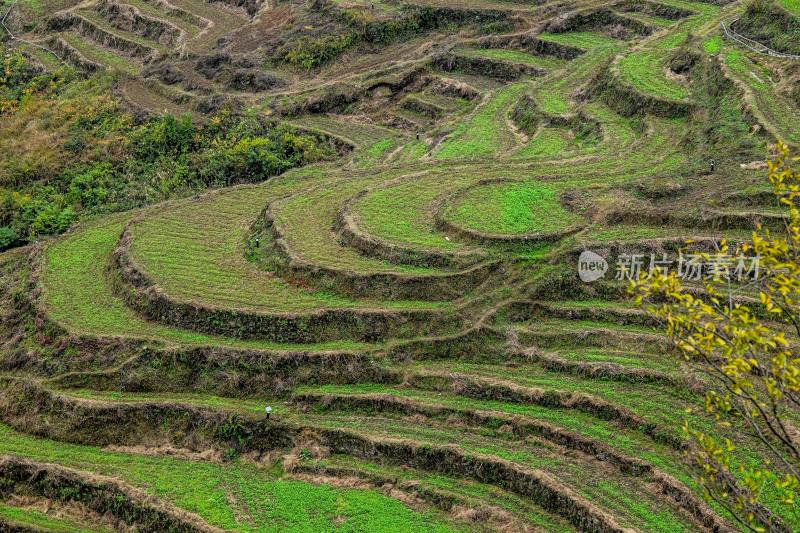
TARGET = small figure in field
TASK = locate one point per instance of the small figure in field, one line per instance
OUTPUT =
(258, 242)
(268, 410)
(417, 135)
(713, 166)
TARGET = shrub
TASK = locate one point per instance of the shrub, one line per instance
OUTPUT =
(310, 53)
(19, 80)
(164, 136)
(253, 159)
(89, 189)
(244, 161)
(52, 218)
(8, 237)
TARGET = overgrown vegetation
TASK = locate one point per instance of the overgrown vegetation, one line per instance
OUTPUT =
(120, 163)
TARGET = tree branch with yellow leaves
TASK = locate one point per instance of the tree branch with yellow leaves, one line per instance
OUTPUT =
(749, 351)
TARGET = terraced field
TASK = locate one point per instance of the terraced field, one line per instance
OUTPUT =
(410, 311)
(779, 115)
(791, 6)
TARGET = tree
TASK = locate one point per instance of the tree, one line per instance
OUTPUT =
(748, 350)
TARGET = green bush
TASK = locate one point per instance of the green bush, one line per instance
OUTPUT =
(310, 53)
(91, 188)
(52, 218)
(244, 161)
(8, 237)
(164, 136)
(253, 159)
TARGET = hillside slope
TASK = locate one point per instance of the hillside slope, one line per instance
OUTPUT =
(369, 220)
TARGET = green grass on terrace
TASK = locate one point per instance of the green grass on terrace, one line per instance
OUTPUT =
(235, 496)
(705, 9)
(472, 491)
(486, 132)
(573, 420)
(47, 59)
(390, 213)
(713, 45)
(515, 56)
(626, 440)
(545, 457)
(449, 103)
(553, 95)
(194, 250)
(78, 295)
(35, 7)
(625, 232)
(307, 218)
(555, 142)
(650, 20)
(584, 476)
(619, 132)
(645, 399)
(412, 151)
(376, 153)
(702, 23)
(580, 39)
(154, 10)
(594, 303)
(364, 136)
(781, 115)
(629, 441)
(402, 212)
(99, 55)
(547, 142)
(512, 208)
(628, 232)
(553, 324)
(251, 406)
(646, 71)
(792, 6)
(662, 362)
(43, 522)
